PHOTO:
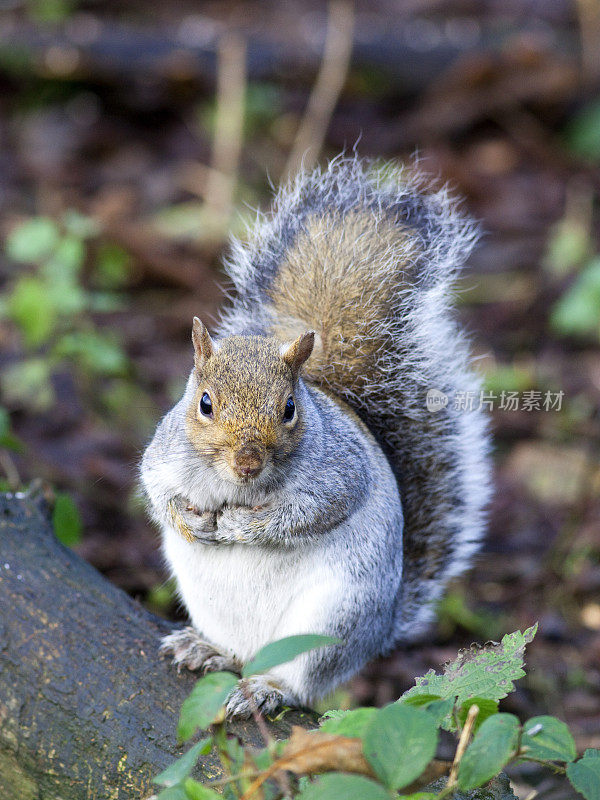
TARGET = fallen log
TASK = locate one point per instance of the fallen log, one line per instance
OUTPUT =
(88, 710)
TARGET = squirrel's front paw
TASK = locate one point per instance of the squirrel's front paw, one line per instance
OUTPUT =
(241, 524)
(264, 693)
(190, 650)
(194, 525)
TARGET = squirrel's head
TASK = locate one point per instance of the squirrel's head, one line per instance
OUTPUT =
(244, 413)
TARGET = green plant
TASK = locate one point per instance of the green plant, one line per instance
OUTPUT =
(374, 754)
(52, 306)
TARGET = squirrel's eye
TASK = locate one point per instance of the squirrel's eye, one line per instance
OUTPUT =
(206, 405)
(290, 410)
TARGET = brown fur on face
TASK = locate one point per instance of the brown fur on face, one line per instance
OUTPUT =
(249, 381)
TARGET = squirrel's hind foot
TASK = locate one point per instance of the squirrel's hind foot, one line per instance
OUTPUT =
(190, 650)
(264, 694)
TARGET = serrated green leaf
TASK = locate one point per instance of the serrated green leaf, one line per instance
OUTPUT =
(487, 672)
(198, 791)
(492, 748)
(32, 310)
(181, 768)
(419, 699)
(66, 520)
(486, 709)
(548, 739)
(399, 743)
(585, 774)
(337, 785)
(202, 707)
(440, 709)
(351, 723)
(33, 240)
(284, 650)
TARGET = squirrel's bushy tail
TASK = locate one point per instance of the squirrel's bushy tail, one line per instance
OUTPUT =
(366, 256)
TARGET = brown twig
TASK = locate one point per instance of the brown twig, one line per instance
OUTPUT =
(462, 744)
(327, 89)
(281, 778)
(228, 134)
(10, 470)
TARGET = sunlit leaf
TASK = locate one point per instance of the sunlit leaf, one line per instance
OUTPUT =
(181, 768)
(486, 709)
(66, 520)
(33, 240)
(350, 723)
(32, 310)
(205, 702)
(286, 649)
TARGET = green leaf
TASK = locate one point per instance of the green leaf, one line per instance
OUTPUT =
(578, 310)
(492, 748)
(95, 352)
(198, 791)
(337, 786)
(66, 520)
(112, 266)
(585, 774)
(486, 672)
(439, 709)
(4, 422)
(568, 247)
(486, 709)
(66, 261)
(351, 723)
(28, 383)
(202, 707)
(284, 650)
(399, 743)
(583, 132)
(33, 240)
(418, 796)
(181, 768)
(419, 699)
(31, 308)
(79, 225)
(548, 739)
(173, 793)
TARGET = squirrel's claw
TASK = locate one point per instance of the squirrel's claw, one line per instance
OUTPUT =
(264, 695)
(190, 650)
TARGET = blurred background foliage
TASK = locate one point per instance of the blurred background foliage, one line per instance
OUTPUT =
(136, 137)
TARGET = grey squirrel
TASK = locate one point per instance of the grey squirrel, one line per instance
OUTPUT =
(302, 484)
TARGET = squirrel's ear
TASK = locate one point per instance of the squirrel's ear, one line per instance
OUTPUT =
(296, 353)
(203, 344)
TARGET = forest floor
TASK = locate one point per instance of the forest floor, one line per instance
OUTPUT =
(128, 148)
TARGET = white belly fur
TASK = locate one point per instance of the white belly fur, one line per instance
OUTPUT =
(240, 598)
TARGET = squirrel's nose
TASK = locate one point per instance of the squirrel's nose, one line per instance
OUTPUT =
(248, 461)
